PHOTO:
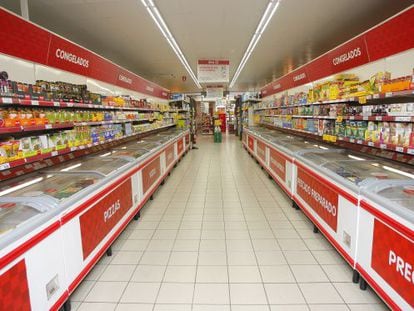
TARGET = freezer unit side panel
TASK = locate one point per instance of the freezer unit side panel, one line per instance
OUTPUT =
(386, 257)
(72, 253)
(46, 274)
(163, 163)
(136, 189)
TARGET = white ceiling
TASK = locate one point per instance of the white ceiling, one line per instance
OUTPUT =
(122, 31)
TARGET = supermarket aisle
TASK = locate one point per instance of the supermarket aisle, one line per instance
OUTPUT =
(220, 235)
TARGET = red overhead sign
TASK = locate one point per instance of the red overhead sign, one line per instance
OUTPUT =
(391, 37)
(22, 39)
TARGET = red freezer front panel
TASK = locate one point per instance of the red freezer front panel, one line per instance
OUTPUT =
(100, 219)
(14, 290)
(261, 150)
(180, 146)
(278, 164)
(250, 142)
(169, 155)
(320, 197)
(150, 174)
(393, 259)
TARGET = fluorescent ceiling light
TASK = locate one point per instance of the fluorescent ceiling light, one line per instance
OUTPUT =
(355, 158)
(21, 186)
(264, 21)
(394, 170)
(71, 167)
(162, 26)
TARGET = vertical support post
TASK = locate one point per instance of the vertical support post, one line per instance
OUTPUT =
(24, 8)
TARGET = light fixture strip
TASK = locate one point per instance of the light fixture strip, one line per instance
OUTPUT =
(162, 26)
(264, 21)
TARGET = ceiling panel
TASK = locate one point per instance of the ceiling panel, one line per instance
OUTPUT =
(122, 31)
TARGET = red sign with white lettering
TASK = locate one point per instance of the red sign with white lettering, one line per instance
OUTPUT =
(14, 290)
(250, 143)
(103, 216)
(278, 164)
(150, 174)
(27, 41)
(394, 36)
(261, 150)
(320, 197)
(213, 62)
(70, 57)
(187, 139)
(393, 259)
(299, 77)
(169, 155)
(346, 56)
(180, 146)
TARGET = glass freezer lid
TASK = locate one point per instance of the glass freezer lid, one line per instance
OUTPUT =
(132, 153)
(364, 171)
(323, 156)
(142, 145)
(294, 145)
(401, 195)
(14, 214)
(103, 164)
(56, 186)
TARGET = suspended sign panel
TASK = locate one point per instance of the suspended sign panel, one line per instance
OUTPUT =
(214, 92)
(213, 71)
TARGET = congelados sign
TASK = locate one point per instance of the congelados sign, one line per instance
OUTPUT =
(62, 54)
(347, 56)
(321, 198)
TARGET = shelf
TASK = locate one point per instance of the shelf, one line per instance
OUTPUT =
(301, 117)
(380, 118)
(405, 96)
(32, 128)
(60, 104)
(67, 125)
(251, 100)
(386, 147)
(356, 118)
(49, 155)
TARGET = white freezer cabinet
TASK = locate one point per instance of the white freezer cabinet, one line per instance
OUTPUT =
(276, 152)
(56, 223)
(386, 241)
(32, 236)
(327, 188)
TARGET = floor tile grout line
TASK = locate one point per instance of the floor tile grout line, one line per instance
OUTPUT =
(254, 252)
(171, 251)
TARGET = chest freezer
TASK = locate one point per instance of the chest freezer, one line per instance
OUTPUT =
(103, 164)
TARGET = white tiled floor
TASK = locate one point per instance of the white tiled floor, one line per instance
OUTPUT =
(220, 235)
